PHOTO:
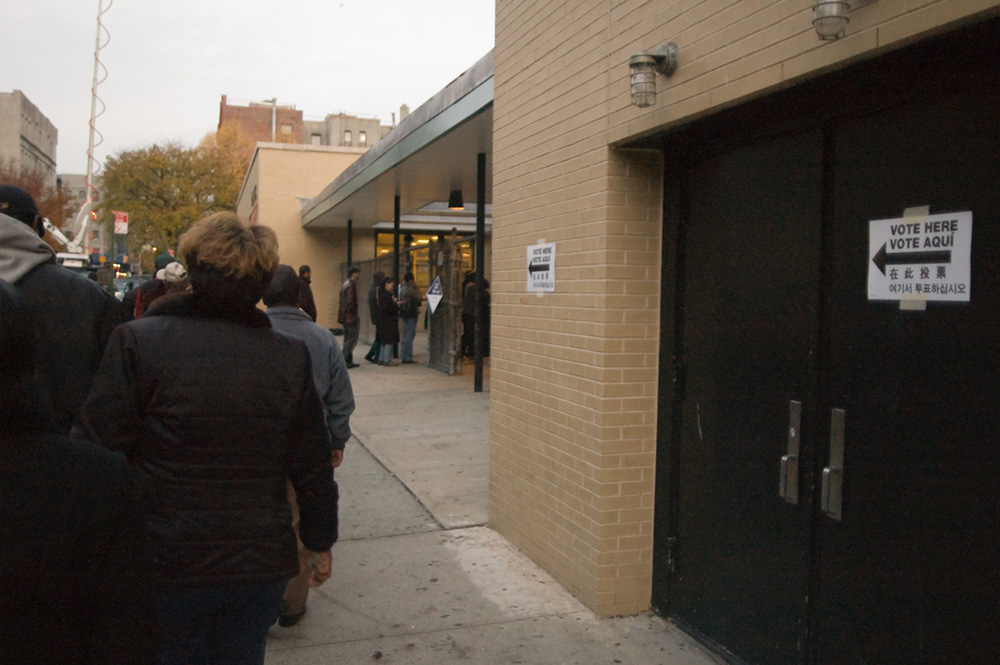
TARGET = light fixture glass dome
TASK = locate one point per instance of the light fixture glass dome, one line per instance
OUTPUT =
(831, 18)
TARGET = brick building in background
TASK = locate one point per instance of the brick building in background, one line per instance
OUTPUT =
(264, 121)
(270, 122)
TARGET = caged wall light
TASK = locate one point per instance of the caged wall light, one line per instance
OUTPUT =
(643, 68)
(830, 18)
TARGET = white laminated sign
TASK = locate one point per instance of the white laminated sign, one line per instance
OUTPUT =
(920, 257)
(542, 267)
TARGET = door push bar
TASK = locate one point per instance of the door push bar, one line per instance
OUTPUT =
(831, 497)
(788, 485)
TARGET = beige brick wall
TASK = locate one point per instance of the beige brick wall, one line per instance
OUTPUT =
(283, 175)
(574, 373)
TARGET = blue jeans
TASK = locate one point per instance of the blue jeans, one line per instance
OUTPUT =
(385, 354)
(409, 332)
(217, 625)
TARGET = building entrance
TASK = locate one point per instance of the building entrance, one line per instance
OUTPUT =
(829, 485)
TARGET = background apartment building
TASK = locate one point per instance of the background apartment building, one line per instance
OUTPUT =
(270, 122)
(347, 131)
(27, 138)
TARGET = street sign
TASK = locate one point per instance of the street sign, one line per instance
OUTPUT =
(542, 267)
(921, 257)
(121, 222)
(434, 294)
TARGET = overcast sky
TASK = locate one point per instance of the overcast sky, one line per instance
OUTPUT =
(170, 61)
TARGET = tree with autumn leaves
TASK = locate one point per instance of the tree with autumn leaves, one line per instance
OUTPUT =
(167, 187)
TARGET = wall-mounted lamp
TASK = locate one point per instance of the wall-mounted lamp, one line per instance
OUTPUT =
(455, 200)
(831, 18)
(643, 68)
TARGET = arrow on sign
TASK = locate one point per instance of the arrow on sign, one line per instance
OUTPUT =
(538, 267)
(883, 258)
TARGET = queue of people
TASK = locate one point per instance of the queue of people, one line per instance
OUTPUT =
(149, 471)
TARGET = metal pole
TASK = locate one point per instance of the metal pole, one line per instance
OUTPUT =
(395, 240)
(274, 119)
(93, 109)
(350, 240)
(480, 337)
(395, 255)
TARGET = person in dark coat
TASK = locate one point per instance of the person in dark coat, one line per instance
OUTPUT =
(74, 560)
(409, 310)
(469, 314)
(306, 301)
(214, 410)
(347, 314)
(377, 277)
(151, 290)
(75, 316)
(387, 320)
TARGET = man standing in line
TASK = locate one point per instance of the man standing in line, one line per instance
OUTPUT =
(409, 311)
(334, 389)
(306, 301)
(75, 316)
(347, 316)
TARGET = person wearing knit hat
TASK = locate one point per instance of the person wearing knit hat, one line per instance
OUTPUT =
(17, 203)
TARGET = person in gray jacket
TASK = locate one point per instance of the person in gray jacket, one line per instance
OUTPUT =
(334, 388)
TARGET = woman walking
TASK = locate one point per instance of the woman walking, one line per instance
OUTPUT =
(214, 410)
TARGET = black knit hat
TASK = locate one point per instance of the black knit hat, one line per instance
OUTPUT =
(18, 203)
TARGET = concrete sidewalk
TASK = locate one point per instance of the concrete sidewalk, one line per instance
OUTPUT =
(419, 577)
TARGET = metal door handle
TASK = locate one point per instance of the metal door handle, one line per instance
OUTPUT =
(831, 495)
(788, 484)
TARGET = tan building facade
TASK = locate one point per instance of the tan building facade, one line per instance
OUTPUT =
(586, 400)
(280, 179)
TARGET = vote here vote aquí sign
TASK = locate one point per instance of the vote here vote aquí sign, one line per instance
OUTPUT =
(920, 257)
(542, 267)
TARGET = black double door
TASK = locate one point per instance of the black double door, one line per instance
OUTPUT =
(788, 369)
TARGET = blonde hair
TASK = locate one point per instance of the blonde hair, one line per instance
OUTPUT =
(225, 243)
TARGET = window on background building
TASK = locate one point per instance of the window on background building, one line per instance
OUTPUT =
(316, 139)
(286, 129)
(348, 138)
(363, 139)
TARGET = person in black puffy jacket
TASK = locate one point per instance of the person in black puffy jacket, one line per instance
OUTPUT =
(214, 410)
(74, 316)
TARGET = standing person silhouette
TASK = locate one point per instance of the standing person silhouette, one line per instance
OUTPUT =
(74, 563)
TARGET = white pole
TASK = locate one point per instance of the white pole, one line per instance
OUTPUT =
(83, 217)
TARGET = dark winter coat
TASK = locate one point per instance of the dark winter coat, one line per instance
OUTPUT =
(387, 318)
(214, 410)
(373, 302)
(74, 569)
(74, 318)
(348, 312)
(306, 300)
